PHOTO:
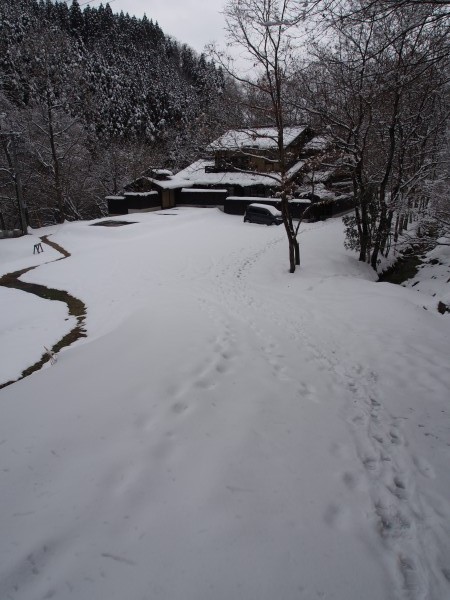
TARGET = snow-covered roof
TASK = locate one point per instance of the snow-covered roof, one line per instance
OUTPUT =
(196, 175)
(319, 190)
(295, 168)
(165, 172)
(172, 183)
(319, 142)
(261, 138)
(115, 198)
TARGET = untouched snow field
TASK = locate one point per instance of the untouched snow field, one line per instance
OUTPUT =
(227, 431)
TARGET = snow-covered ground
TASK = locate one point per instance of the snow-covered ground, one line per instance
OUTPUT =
(227, 430)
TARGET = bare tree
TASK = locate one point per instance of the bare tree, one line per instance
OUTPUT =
(11, 190)
(266, 33)
(379, 87)
(10, 177)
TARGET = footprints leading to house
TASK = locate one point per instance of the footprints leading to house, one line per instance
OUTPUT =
(398, 513)
(204, 373)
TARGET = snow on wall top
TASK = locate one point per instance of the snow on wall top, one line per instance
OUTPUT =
(253, 199)
(259, 138)
(153, 193)
(202, 190)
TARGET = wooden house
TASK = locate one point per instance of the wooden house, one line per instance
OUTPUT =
(242, 165)
(256, 149)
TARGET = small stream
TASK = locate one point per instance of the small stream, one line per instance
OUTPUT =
(76, 308)
(403, 269)
(406, 268)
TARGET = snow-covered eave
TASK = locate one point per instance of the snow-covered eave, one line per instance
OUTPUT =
(295, 169)
(259, 138)
(170, 184)
(319, 142)
(197, 175)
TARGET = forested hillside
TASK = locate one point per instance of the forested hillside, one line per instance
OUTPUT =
(96, 97)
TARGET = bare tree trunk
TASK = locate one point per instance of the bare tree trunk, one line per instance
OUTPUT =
(397, 226)
(55, 160)
(297, 252)
(383, 222)
(385, 246)
(9, 146)
(266, 31)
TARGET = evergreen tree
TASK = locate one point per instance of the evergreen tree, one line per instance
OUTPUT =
(76, 18)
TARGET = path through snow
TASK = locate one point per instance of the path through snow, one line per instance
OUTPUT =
(229, 430)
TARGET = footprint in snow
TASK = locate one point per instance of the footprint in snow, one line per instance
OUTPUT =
(370, 463)
(392, 522)
(414, 580)
(179, 407)
(205, 383)
(350, 480)
(336, 516)
(398, 488)
(394, 437)
(305, 391)
(222, 367)
(424, 467)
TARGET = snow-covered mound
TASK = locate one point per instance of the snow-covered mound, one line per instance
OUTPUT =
(227, 430)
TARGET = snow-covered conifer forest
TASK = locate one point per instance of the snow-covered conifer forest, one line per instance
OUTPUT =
(97, 97)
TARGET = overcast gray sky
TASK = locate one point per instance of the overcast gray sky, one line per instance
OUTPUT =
(194, 22)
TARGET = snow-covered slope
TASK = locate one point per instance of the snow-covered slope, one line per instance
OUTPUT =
(228, 430)
(433, 275)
